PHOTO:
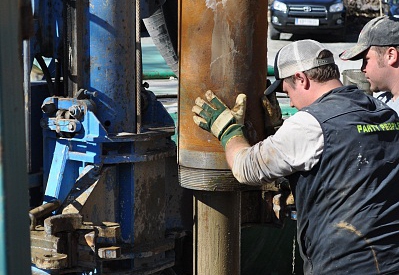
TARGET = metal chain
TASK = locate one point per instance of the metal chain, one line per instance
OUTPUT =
(293, 255)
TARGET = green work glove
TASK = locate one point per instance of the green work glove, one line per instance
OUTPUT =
(218, 119)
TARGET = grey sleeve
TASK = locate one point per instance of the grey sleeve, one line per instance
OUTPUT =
(296, 146)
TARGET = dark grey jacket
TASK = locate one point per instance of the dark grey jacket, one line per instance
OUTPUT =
(348, 205)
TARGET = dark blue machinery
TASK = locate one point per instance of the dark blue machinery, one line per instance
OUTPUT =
(104, 190)
(111, 197)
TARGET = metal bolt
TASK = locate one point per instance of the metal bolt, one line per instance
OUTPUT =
(71, 126)
(43, 123)
(75, 111)
(93, 94)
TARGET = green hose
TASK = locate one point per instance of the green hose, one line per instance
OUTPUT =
(158, 74)
(166, 74)
(270, 70)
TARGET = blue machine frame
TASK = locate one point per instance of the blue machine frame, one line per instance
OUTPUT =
(106, 181)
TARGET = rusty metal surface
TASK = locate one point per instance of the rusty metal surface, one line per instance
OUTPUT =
(94, 196)
(41, 212)
(76, 247)
(39, 240)
(149, 198)
(211, 180)
(51, 252)
(222, 48)
(217, 233)
(64, 222)
(112, 252)
(46, 260)
(95, 200)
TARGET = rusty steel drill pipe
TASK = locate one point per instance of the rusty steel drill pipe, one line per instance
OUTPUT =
(222, 48)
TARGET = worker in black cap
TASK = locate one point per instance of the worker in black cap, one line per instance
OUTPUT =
(338, 152)
(378, 46)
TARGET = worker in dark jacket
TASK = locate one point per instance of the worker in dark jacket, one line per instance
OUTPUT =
(378, 47)
(339, 152)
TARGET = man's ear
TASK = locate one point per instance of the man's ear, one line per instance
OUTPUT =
(302, 79)
(393, 56)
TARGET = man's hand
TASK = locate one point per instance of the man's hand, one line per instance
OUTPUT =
(218, 119)
(283, 203)
(272, 109)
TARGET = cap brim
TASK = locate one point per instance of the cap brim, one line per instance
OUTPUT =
(354, 53)
(275, 87)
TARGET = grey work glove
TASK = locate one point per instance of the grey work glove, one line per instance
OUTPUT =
(272, 109)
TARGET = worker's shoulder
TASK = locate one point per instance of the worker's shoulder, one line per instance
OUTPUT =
(303, 116)
(301, 120)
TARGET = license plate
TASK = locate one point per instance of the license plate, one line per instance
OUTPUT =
(306, 22)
